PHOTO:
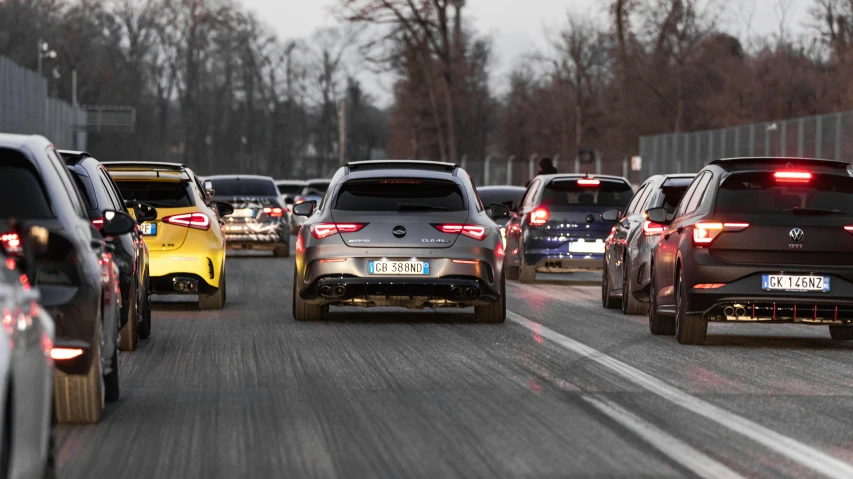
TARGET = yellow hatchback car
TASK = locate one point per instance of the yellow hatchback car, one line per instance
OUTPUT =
(185, 244)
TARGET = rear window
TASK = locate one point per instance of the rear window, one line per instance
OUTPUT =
(761, 194)
(315, 188)
(567, 192)
(85, 187)
(244, 187)
(400, 195)
(501, 196)
(289, 189)
(21, 194)
(673, 190)
(166, 194)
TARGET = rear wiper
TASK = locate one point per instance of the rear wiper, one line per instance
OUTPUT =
(419, 207)
(816, 211)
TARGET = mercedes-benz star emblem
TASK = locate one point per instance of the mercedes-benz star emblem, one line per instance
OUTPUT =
(796, 235)
(399, 231)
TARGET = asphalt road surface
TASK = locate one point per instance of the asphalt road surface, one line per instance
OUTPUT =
(563, 388)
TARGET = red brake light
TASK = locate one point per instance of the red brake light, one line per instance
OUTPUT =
(472, 231)
(98, 223)
(11, 242)
(849, 229)
(706, 233)
(540, 216)
(65, 353)
(792, 176)
(199, 221)
(651, 228)
(274, 212)
(324, 230)
(588, 182)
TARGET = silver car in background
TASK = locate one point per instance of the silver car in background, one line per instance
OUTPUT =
(288, 190)
(410, 234)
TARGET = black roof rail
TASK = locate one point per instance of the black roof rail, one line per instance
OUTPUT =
(401, 164)
(778, 160)
(144, 165)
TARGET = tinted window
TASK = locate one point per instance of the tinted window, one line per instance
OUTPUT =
(65, 177)
(399, 195)
(21, 193)
(687, 194)
(634, 206)
(760, 193)
(671, 197)
(531, 193)
(85, 186)
(315, 188)
(501, 196)
(289, 189)
(696, 199)
(244, 187)
(567, 192)
(166, 194)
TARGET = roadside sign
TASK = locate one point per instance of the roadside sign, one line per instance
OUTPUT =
(636, 163)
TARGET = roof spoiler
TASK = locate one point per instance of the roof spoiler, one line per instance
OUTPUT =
(401, 164)
(781, 160)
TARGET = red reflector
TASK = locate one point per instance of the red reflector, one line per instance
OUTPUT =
(198, 221)
(472, 231)
(540, 216)
(98, 223)
(792, 176)
(650, 228)
(324, 230)
(11, 242)
(65, 353)
(588, 182)
(465, 261)
(333, 260)
(708, 285)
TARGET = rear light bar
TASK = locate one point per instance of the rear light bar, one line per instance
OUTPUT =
(540, 216)
(792, 176)
(465, 261)
(588, 182)
(708, 285)
(706, 233)
(324, 230)
(198, 221)
(98, 223)
(472, 231)
(275, 212)
(65, 353)
(849, 229)
(650, 228)
(11, 242)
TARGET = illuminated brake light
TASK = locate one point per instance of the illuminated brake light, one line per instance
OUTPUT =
(735, 227)
(274, 212)
(472, 231)
(65, 353)
(849, 229)
(588, 182)
(540, 216)
(708, 285)
(98, 223)
(199, 221)
(324, 230)
(333, 260)
(11, 242)
(706, 233)
(792, 176)
(650, 228)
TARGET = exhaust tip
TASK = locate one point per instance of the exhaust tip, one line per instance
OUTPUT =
(472, 293)
(729, 311)
(325, 291)
(457, 292)
(740, 311)
(340, 290)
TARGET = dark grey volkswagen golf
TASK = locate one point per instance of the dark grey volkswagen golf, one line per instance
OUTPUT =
(411, 234)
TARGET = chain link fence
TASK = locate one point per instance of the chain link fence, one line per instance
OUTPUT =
(824, 136)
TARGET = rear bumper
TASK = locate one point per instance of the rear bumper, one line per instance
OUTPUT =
(205, 267)
(414, 292)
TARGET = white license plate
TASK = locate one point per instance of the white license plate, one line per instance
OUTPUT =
(586, 247)
(243, 213)
(398, 267)
(786, 282)
(149, 229)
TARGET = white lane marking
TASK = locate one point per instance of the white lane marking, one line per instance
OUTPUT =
(676, 449)
(810, 457)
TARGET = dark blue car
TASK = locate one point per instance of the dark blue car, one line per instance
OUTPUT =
(557, 228)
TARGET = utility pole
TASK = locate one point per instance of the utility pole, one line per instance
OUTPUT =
(342, 133)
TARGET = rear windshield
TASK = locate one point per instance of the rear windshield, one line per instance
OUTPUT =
(672, 191)
(165, 194)
(400, 195)
(244, 187)
(21, 194)
(508, 197)
(760, 193)
(289, 189)
(567, 192)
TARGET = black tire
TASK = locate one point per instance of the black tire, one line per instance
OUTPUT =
(495, 312)
(841, 333)
(630, 305)
(6, 436)
(111, 382)
(50, 459)
(527, 274)
(658, 325)
(130, 331)
(607, 299)
(282, 251)
(303, 311)
(512, 272)
(79, 399)
(145, 310)
(689, 328)
(215, 300)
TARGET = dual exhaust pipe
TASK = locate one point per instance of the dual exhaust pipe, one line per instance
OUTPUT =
(333, 291)
(464, 293)
(736, 311)
(185, 285)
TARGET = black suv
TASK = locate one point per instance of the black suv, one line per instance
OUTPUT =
(756, 239)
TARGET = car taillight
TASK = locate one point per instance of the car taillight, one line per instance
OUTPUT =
(65, 353)
(849, 229)
(324, 230)
(540, 216)
(650, 228)
(274, 212)
(199, 221)
(706, 233)
(588, 182)
(792, 176)
(98, 223)
(472, 231)
(11, 242)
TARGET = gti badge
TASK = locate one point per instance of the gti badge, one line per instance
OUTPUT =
(797, 235)
(399, 231)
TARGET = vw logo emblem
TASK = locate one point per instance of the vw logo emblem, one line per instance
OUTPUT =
(399, 231)
(796, 235)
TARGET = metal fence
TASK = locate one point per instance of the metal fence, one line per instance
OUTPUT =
(824, 136)
(26, 108)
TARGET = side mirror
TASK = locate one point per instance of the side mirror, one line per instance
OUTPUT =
(497, 211)
(610, 215)
(305, 208)
(145, 213)
(288, 200)
(223, 208)
(658, 215)
(117, 223)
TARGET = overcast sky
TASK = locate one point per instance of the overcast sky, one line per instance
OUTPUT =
(516, 26)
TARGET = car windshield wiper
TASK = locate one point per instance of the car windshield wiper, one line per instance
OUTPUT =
(419, 207)
(816, 211)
